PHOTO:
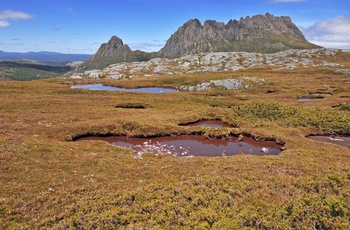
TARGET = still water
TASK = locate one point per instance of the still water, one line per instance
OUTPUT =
(144, 90)
(192, 145)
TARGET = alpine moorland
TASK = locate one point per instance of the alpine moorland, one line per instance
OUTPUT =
(51, 180)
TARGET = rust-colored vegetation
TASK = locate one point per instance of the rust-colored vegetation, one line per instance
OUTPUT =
(49, 181)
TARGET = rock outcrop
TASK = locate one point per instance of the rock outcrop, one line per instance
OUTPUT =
(217, 62)
(260, 33)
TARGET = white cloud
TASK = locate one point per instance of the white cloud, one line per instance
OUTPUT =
(14, 15)
(332, 33)
(4, 24)
(279, 1)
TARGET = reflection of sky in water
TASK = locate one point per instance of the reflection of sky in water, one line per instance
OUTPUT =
(344, 141)
(309, 98)
(144, 90)
(185, 147)
(210, 125)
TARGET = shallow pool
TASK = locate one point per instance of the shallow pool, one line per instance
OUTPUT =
(310, 98)
(193, 145)
(144, 90)
(344, 141)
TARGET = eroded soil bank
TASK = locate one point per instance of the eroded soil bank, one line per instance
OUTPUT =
(208, 123)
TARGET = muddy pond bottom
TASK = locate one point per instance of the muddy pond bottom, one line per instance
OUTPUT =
(104, 87)
(193, 145)
(344, 141)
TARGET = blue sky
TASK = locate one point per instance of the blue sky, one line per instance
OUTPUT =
(81, 26)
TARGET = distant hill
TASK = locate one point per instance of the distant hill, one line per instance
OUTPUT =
(44, 57)
(29, 70)
(260, 33)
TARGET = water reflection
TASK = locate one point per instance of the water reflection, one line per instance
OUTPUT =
(144, 90)
(310, 98)
(193, 145)
(344, 141)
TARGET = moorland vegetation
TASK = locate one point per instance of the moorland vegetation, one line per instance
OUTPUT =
(49, 181)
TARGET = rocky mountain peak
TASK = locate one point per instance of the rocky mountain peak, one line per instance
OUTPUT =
(115, 41)
(192, 23)
(259, 33)
(184, 39)
(114, 47)
(115, 51)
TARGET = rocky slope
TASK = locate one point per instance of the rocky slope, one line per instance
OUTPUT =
(217, 62)
(260, 33)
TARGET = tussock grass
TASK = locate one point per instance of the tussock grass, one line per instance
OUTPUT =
(51, 183)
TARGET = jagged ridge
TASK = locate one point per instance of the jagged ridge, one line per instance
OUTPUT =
(260, 33)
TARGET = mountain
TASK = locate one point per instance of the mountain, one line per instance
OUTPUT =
(115, 51)
(26, 70)
(260, 33)
(44, 57)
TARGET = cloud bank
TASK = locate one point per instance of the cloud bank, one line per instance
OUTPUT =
(332, 33)
(12, 15)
